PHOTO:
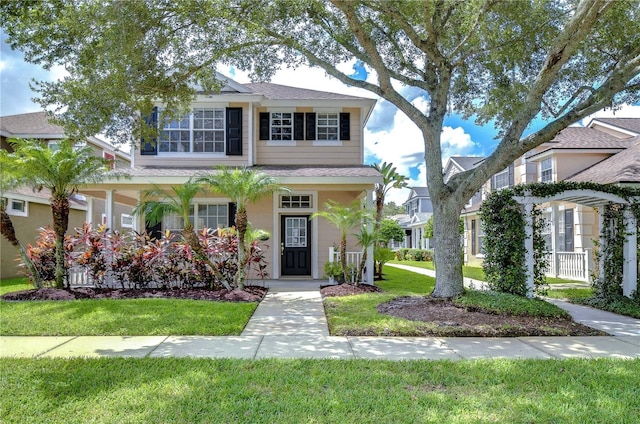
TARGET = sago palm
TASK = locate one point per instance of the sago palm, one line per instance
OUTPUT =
(158, 203)
(243, 186)
(63, 172)
(344, 218)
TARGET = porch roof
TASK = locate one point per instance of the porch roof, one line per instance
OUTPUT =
(290, 174)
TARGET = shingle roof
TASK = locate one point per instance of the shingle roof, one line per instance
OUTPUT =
(623, 167)
(467, 162)
(421, 191)
(587, 138)
(29, 123)
(630, 124)
(304, 171)
(283, 92)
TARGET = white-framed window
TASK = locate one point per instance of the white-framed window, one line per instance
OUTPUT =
(281, 126)
(546, 170)
(208, 216)
(126, 221)
(481, 236)
(54, 145)
(201, 131)
(501, 179)
(327, 126)
(295, 201)
(16, 207)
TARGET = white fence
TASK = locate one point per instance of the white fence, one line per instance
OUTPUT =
(353, 260)
(570, 265)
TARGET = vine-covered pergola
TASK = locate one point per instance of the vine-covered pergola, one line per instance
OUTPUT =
(618, 210)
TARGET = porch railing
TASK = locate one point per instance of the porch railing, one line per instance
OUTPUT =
(353, 258)
(570, 265)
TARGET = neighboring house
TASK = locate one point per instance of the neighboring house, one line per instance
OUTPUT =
(606, 151)
(418, 211)
(311, 141)
(30, 210)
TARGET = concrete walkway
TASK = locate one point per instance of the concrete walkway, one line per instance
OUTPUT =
(290, 323)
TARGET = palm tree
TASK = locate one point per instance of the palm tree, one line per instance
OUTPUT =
(365, 239)
(8, 181)
(157, 203)
(344, 218)
(390, 179)
(243, 186)
(63, 172)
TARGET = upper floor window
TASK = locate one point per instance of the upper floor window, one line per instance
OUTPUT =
(288, 127)
(546, 170)
(327, 126)
(199, 132)
(501, 179)
(282, 126)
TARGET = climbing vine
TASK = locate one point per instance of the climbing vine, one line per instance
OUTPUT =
(504, 226)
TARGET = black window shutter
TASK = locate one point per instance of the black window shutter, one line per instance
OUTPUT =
(150, 147)
(568, 230)
(345, 130)
(311, 126)
(232, 214)
(264, 125)
(234, 131)
(298, 126)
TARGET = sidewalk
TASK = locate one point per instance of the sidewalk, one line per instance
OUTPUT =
(290, 323)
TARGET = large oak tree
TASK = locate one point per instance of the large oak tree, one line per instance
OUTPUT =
(501, 62)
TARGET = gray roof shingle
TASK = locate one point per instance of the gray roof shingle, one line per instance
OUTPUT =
(587, 138)
(283, 92)
(306, 171)
(29, 123)
(623, 167)
(629, 124)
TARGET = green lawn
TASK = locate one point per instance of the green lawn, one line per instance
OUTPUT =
(118, 390)
(14, 284)
(358, 314)
(474, 272)
(122, 317)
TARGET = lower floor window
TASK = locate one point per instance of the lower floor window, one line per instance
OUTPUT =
(201, 216)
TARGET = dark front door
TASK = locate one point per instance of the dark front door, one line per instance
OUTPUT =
(295, 245)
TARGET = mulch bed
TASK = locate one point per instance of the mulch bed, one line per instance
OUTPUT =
(249, 294)
(348, 289)
(447, 319)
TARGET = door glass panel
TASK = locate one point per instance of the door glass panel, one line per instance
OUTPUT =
(296, 232)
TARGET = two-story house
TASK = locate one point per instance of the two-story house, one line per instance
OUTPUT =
(418, 210)
(29, 210)
(311, 141)
(605, 151)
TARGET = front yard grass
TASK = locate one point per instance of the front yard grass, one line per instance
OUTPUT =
(358, 315)
(14, 284)
(120, 317)
(182, 390)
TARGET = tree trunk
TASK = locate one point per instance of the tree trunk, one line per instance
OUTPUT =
(8, 232)
(60, 212)
(241, 227)
(343, 256)
(448, 249)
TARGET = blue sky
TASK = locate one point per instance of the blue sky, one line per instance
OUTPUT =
(389, 135)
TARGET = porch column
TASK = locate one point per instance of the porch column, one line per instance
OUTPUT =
(630, 267)
(601, 240)
(528, 246)
(89, 215)
(138, 220)
(369, 277)
(554, 240)
(108, 209)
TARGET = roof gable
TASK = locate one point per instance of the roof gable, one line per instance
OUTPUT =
(623, 167)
